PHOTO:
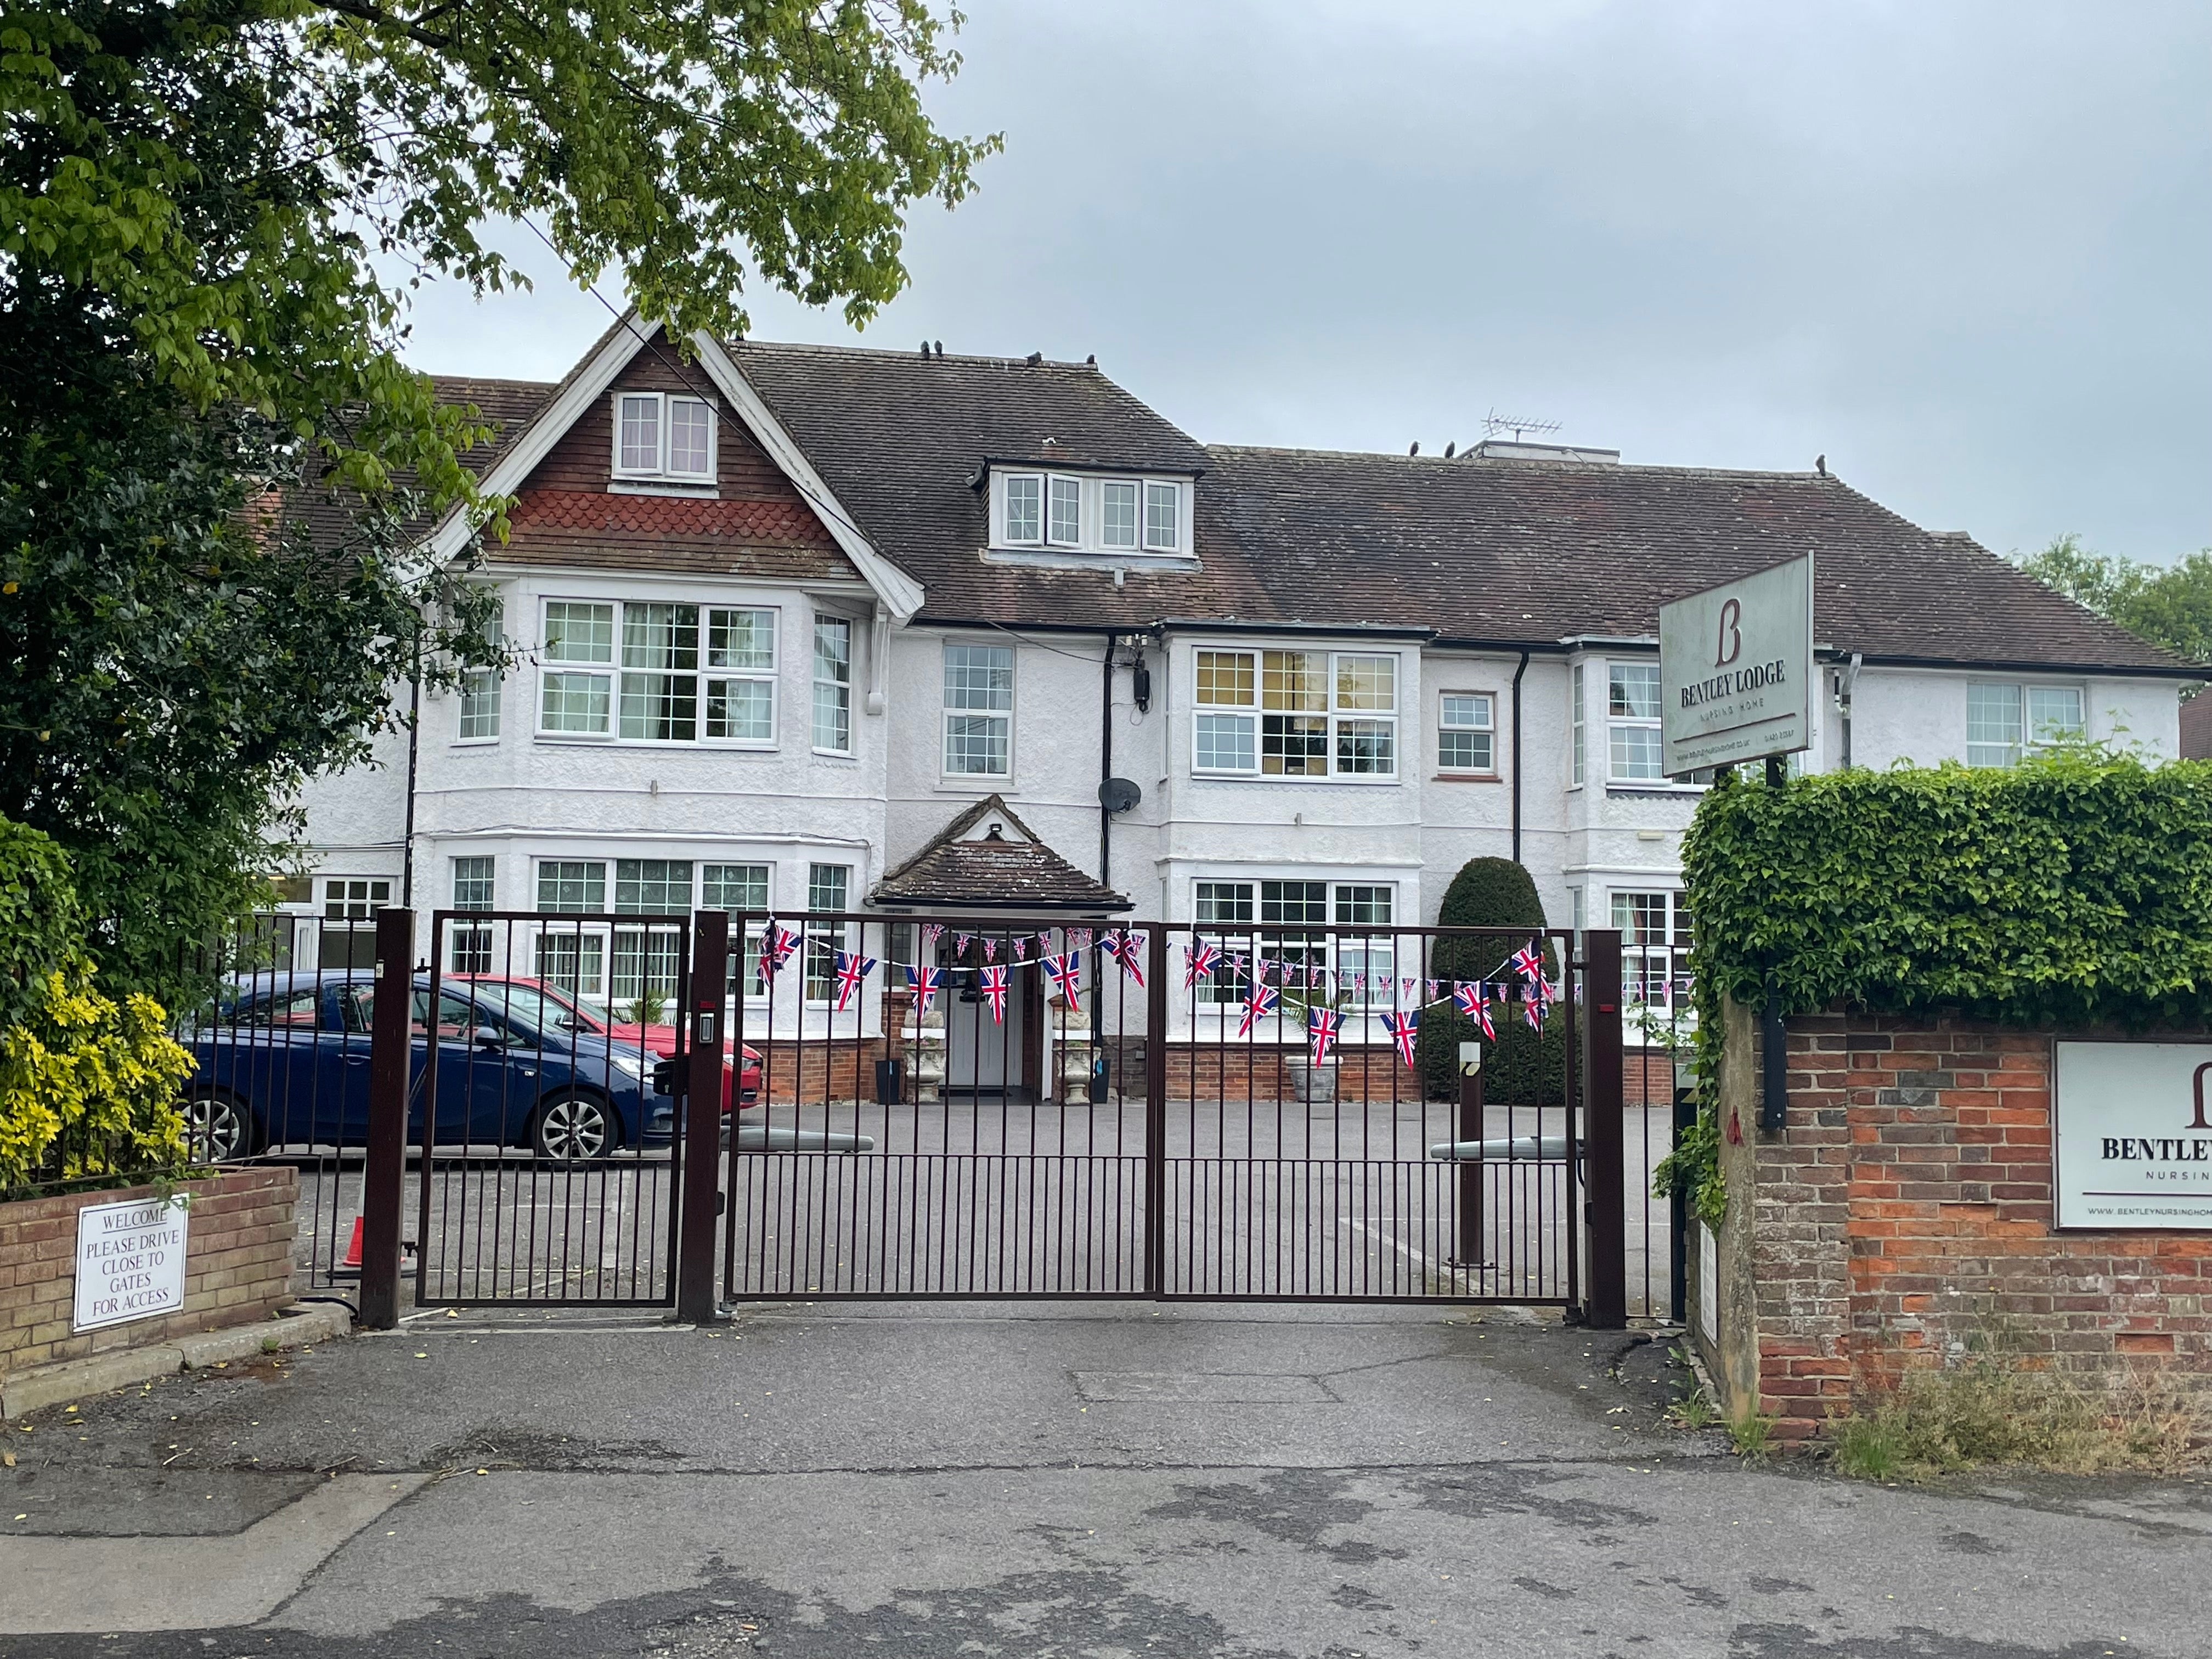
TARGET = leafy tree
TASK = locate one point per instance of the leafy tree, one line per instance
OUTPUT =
(1523, 1066)
(203, 207)
(2167, 604)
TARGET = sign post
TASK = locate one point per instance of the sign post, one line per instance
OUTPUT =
(1735, 669)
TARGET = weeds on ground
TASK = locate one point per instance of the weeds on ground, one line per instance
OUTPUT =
(1752, 1435)
(1993, 1409)
(1693, 1407)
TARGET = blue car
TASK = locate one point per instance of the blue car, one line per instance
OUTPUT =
(283, 1060)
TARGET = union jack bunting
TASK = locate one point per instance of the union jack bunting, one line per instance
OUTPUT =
(990, 950)
(1529, 963)
(925, 983)
(995, 987)
(930, 932)
(1066, 974)
(778, 943)
(1539, 998)
(1436, 990)
(1405, 989)
(1403, 1028)
(1263, 1001)
(851, 970)
(1198, 960)
(1021, 949)
(1043, 939)
(1078, 938)
(1473, 1000)
(1323, 1025)
(960, 945)
(1128, 949)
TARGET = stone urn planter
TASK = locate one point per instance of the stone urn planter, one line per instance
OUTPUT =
(1314, 1085)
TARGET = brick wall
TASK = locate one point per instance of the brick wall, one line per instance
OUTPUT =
(238, 1266)
(1905, 1215)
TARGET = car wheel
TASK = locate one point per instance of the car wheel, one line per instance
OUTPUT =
(217, 1129)
(575, 1128)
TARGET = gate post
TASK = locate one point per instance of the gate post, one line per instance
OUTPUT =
(384, 1164)
(1604, 1143)
(702, 1119)
(1156, 1114)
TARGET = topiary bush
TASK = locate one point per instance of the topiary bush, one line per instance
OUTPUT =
(88, 1086)
(1521, 1068)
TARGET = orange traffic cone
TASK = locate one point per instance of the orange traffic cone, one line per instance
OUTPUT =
(353, 1250)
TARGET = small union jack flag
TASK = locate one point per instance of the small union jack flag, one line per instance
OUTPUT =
(1405, 989)
(1263, 1001)
(1436, 990)
(930, 932)
(1078, 938)
(1128, 949)
(995, 987)
(1473, 1000)
(960, 945)
(777, 944)
(1537, 999)
(925, 983)
(1403, 1028)
(1021, 949)
(1323, 1025)
(851, 970)
(1199, 959)
(1066, 976)
(1529, 963)
(990, 950)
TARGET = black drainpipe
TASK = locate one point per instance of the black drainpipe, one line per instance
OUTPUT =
(1106, 765)
(1517, 673)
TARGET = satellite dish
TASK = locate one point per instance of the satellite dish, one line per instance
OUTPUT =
(1119, 794)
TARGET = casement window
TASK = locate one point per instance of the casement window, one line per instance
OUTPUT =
(1467, 732)
(651, 690)
(2004, 722)
(735, 888)
(833, 685)
(979, 704)
(1283, 921)
(664, 435)
(1070, 513)
(1631, 720)
(472, 890)
(1576, 745)
(1313, 713)
(648, 961)
(571, 959)
(480, 694)
(827, 888)
(1654, 939)
(349, 920)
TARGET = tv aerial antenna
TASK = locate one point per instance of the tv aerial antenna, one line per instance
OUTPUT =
(1497, 425)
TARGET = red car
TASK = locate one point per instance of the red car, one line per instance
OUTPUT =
(740, 1083)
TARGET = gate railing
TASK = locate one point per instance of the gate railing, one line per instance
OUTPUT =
(989, 1106)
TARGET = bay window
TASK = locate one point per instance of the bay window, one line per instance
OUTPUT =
(648, 959)
(1284, 922)
(653, 693)
(1655, 938)
(472, 890)
(1311, 714)
(569, 958)
(833, 685)
(1633, 722)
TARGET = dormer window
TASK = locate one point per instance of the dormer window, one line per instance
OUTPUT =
(1070, 513)
(661, 436)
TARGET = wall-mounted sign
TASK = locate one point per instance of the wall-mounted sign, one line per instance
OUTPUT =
(129, 1261)
(2131, 1134)
(1735, 669)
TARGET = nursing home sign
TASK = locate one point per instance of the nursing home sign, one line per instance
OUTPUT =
(2131, 1134)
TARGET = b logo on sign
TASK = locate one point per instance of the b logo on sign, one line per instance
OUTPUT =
(1731, 643)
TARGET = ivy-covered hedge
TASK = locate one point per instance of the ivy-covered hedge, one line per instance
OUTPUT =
(88, 1084)
(2075, 888)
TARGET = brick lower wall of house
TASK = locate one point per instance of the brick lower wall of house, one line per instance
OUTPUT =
(1905, 1216)
(238, 1266)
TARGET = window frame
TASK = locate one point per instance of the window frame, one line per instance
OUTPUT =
(1150, 489)
(610, 674)
(1652, 723)
(2032, 736)
(660, 472)
(1334, 716)
(1578, 726)
(822, 619)
(1488, 729)
(1254, 932)
(947, 714)
(818, 967)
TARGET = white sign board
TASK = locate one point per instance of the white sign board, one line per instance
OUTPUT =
(2131, 1134)
(1709, 1284)
(1735, 669)
(130, 1261)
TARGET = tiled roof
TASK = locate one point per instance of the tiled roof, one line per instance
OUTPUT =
(900, 439)
(1521, 551)
(665, 532)
(996, 874)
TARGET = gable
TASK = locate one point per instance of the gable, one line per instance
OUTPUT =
(757, 523)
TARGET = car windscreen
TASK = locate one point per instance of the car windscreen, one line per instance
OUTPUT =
(526, 1005)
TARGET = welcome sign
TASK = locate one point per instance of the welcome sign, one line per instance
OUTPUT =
(129, 1261)
(1735, 669)
(2131, 1134)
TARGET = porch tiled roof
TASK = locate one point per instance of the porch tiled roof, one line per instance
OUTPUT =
(995, 874)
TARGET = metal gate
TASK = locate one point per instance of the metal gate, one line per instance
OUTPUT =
(550, 1161)
(980, 1106)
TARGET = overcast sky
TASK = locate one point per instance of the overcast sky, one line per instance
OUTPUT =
(1964, 250)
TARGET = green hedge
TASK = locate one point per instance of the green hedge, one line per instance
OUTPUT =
(2075, 888)
(1521, 1068)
